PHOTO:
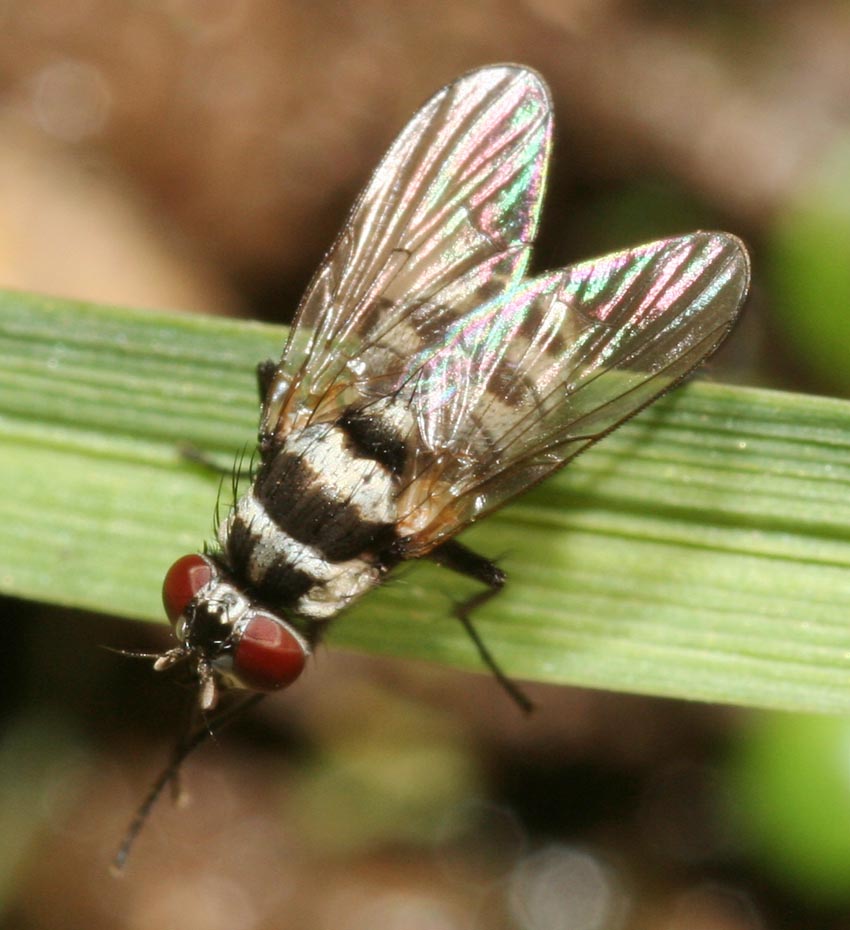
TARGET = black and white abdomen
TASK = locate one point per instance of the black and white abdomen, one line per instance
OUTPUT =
(315, 529)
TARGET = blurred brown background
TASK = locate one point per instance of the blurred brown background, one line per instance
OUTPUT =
(200, 155)
(200, 150)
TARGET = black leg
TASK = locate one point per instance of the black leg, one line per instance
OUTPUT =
(192, 453)
(265, 372)
(186, 745)
(459, 559)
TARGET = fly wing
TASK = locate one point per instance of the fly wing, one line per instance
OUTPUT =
(455, 202)
(524, 383)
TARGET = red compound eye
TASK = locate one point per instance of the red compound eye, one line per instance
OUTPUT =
(269, 655)
(182, 582)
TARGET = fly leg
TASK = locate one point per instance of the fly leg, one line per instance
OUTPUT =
(459, 559)
(191, 453)
(265, 374)
(189, 741)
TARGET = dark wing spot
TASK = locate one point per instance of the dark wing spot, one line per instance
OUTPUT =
(532, 322)
(506, 384)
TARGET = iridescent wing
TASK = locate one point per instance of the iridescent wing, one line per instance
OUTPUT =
(455, 202)
(522, 384)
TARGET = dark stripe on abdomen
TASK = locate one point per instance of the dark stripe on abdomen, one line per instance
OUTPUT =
(282, 584)
(372, 437)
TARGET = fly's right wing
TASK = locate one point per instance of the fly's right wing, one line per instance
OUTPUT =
(526, 382)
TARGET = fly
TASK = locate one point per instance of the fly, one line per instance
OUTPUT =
(428, 380)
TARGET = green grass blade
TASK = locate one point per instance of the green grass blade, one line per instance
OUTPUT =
(701, 551)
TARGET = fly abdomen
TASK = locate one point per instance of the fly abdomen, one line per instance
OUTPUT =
(310, 533)
(319, 491)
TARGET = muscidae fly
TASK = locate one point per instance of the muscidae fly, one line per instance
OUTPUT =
(427, 381)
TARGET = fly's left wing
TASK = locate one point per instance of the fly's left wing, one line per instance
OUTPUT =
(454, 203)
(527, 381)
